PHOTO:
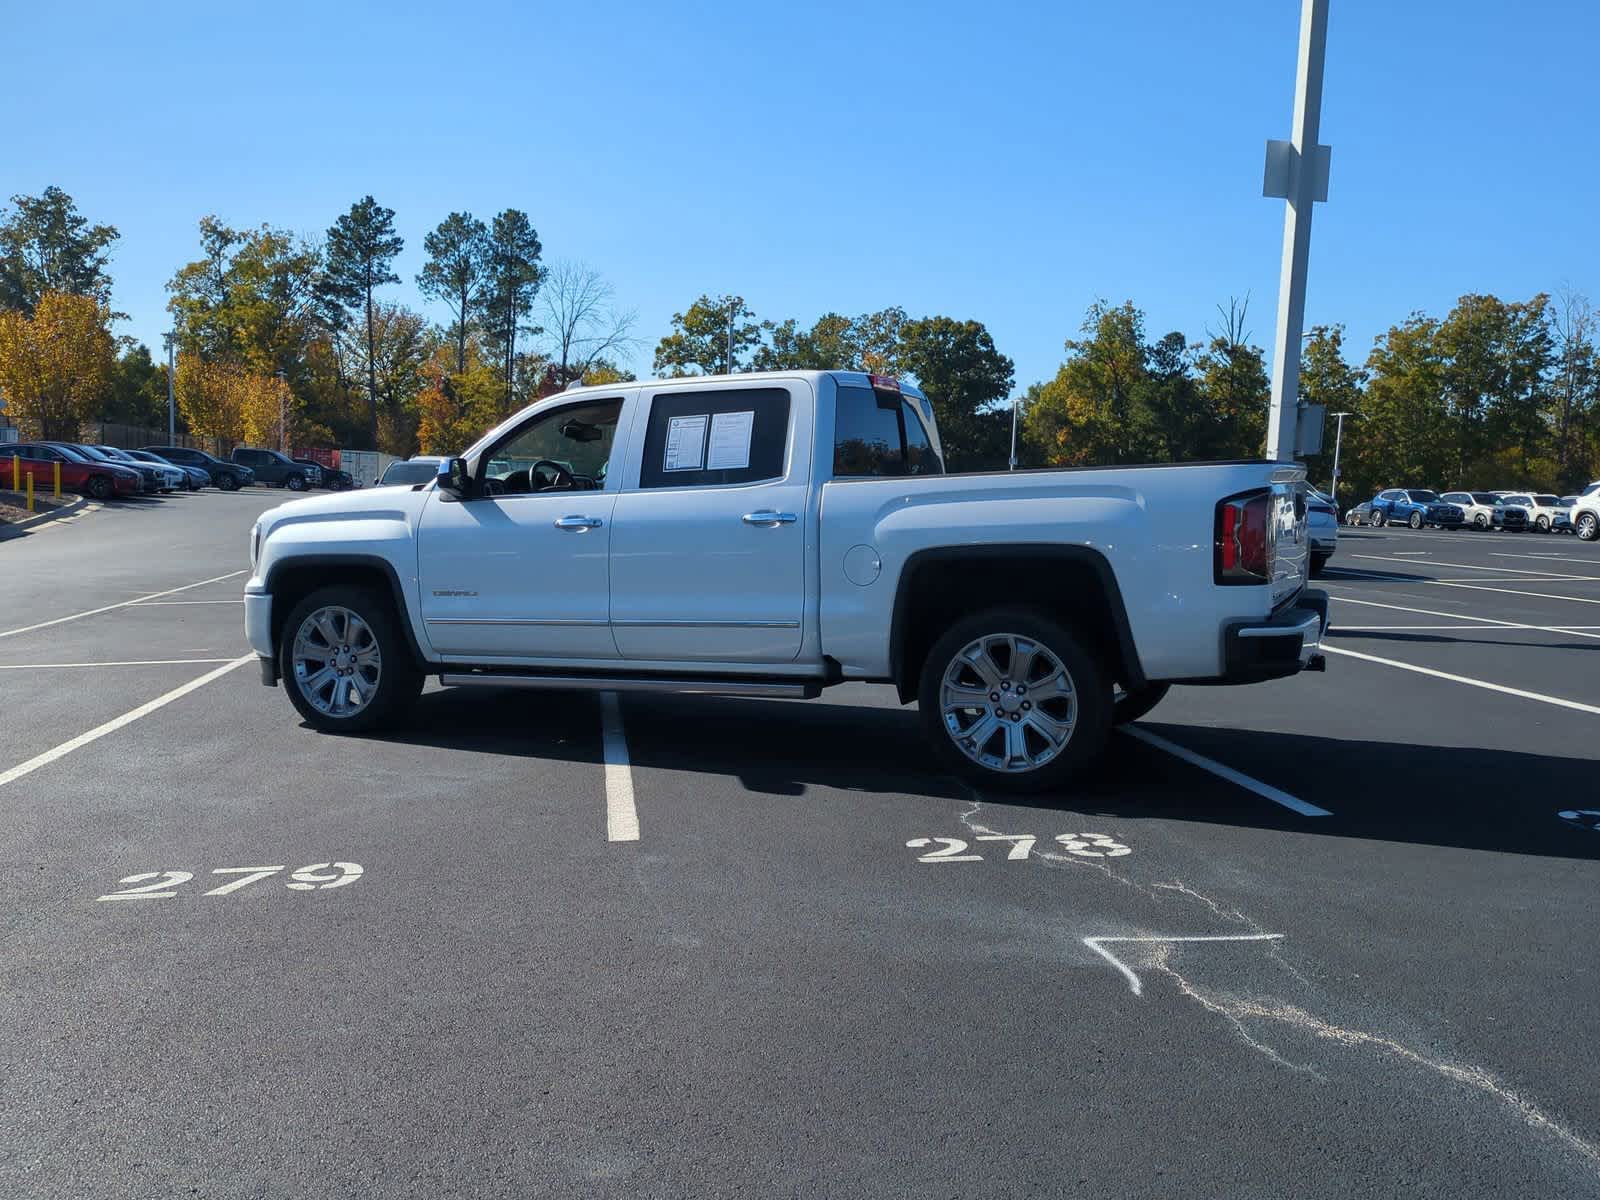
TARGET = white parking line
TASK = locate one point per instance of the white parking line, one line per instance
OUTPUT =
(1475, 567)
(120, 604)
(138, 662)
(1488, 622)
(1226, 772)
(1128, 973)
(181, 603)
(116, 723)
(1547, 557)
(1576, 705)
(1478, 587)
(622, 818)
(1508, 627)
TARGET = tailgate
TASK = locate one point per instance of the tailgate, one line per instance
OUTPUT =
(1291, 553)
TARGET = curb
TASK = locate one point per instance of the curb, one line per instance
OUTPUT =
(70, 509)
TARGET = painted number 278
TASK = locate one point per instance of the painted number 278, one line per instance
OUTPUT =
(953, 850)
(162, 885)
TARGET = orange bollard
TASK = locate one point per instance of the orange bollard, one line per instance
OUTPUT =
(30, 491)
(57, 467)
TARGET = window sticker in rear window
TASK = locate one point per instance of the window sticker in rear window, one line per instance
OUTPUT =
(686, 443)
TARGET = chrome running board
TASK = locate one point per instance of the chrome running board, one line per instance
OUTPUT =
(799, 690)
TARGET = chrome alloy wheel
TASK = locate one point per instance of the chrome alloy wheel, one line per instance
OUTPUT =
(1008, 703)
(336, 662)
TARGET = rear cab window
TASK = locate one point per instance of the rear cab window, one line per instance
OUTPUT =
(870, 440)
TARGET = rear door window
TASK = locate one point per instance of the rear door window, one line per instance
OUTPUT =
(869, 440)
(721, 436)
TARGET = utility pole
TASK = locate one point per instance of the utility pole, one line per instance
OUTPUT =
(278, 375)
(729, 359)
(1338, 438)
(172, 411)
(1296, 171)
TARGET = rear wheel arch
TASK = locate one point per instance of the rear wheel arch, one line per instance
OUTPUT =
(1072, 585)
(290, 580)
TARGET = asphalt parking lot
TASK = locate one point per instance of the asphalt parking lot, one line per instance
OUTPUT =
(533, 945)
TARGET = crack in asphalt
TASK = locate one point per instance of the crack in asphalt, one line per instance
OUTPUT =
(1236, 1011)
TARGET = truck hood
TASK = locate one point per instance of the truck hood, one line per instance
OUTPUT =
(397, 503)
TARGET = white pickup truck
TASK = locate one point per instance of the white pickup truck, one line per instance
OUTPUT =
(771, 535)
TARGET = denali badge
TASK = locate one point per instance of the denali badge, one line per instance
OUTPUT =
(452, 592)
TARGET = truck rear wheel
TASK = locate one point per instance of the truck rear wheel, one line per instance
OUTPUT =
(345, 664)
(1012, 701)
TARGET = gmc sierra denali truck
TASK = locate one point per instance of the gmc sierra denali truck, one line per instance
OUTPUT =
(772, 535)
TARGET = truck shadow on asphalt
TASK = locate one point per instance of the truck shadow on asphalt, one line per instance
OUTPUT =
(1451, 796)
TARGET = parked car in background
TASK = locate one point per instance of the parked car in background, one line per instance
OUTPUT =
(1361, 514)
(79, 473)
(1586, 513)
(1322, 528)
(421, 469)
(273, 466)
(172, 478)
(1415, 507)
(194, 478)
(151, 479)
(230, 477)
(1479, 508)
(1521, 502)
(333, 478)
(1549, 515)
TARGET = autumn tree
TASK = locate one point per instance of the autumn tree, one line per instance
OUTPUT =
(711, 337)
(1090, 413)
(956, 365)
(402, 343)
(56, 365)
(582, 323)
(1235, 390)
(457, 273)
(209, 397)
(46, 245)
(455, 408)
(361, 246)
(513, 281)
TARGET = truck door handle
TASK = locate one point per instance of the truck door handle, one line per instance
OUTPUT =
(581, 524)
(767, 517)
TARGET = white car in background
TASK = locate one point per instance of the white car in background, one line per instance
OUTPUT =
(1322, 528)
(1523, 503)
(1479, 507)
(1544, 512)
(1586, 513)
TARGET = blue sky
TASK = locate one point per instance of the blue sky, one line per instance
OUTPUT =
(1006, 162)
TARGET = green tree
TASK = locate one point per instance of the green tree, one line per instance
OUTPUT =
(1407, 434)
(457, 272)
(361, 247)
(712, 337)
(137, 391)
(967, 380)
(1329, 379)
(1093, 412)
(47, 246)
(514, 274)
(1235, 391)
(402, 345)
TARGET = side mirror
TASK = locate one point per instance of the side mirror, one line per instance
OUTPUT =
(453, 477)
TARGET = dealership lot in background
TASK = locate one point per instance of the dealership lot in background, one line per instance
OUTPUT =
(818, 967)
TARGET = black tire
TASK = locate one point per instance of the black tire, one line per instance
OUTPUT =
(399, 680)
(1379, 518)
(1130, 706)
(295, 483)
(1543, 524)
(1415, 520)
(1091, 699)
(228, 481)
(1318, 562)
(99, 487)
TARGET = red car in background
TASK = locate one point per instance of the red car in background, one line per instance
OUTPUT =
(100, 480)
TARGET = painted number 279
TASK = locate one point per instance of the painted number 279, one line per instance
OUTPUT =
(162, 885)
(1083, 845)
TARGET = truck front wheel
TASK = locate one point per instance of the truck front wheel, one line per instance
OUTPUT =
(344, 662)
(1012, 701)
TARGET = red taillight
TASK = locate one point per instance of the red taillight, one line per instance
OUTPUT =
(1244, 546)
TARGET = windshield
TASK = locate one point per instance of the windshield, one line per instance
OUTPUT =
(1547, 501)
(1485, 498)
(75, 453)
(1423, 496)
(409, 473)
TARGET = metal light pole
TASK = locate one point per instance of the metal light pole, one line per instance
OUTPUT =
(172, 411)
(1296, 171)
(1338, 439)
(281, 438)
(1014, 433)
